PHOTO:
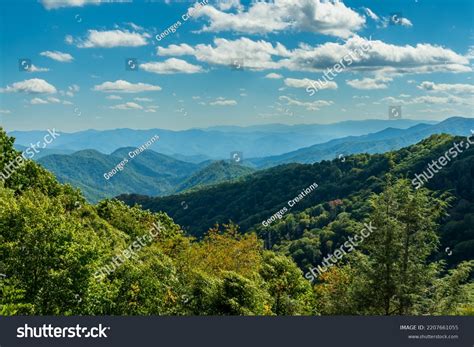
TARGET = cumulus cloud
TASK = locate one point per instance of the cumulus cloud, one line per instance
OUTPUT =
(33, 86)
(223, 102)
(58, 56)
(53, 100)
(405, 22)
(329, 17)
(48, 100)
(171, 66)
(34, 68)
(121, 86)
(55, 4)
(356, 54)
(38, 101)
(448, 88)
(305, 82)
(369, 83)
(309, 105)
(371, 14)
(470, 53)
(113, 97)
(111, 39)
(378, 57)
(70, 90)
(5, 111)
(429, 99)
(274, 76)
(255, 55)
(143, 99)
(127, 106)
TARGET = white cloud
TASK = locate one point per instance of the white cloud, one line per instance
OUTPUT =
(143, 99)
(309, 105)
(74, 88)
(355, 54)
(371, 14)
(274, 75)
(329, 17)
(369, 83)
(53, 100)
(113, 97)
(121, 86)
(134, 26)
(181, 49)
(428, 99)
(305, 82)
(58, 56)
(38, 101)
(33, 86)
(223, 102)
(127, 106)
(34, 68)
(5, 111)
(225, 5)
(69, 39)
(171, 66)
(470, 53)
(48, 100)
(55, 4)
(150, 110)
(448, 88)
(112, 38)
(254, 55)
(405, 22)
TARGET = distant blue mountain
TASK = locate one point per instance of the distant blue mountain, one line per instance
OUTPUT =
(379, 142)
(157, 174)
(216, 142)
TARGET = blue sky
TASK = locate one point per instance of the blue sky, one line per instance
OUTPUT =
(231, 63)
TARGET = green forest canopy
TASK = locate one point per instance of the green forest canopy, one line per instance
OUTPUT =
(52, 242)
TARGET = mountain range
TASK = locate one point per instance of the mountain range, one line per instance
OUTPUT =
(379, 142)
(196, 145)
(156, 174)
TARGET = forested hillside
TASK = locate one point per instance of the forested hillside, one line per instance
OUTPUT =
(352, 179)
(149, 173)
(61, 255)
